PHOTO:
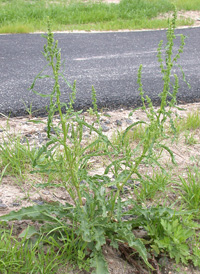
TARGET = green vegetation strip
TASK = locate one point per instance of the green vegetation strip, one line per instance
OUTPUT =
(18, 16)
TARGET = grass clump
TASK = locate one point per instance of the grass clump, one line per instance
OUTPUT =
(189, 189)
(15, 157)
(150, 186)
(19, 255)
(191, 122)
(134, 135)
(95, 216)
(187, 4)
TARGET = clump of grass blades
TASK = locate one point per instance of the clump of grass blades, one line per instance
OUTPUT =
(134, 135)
(191, 122)
(189, 190)
(151, 186)
(15, 157)
(19, 255)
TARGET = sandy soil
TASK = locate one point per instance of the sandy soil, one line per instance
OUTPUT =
(15, 193)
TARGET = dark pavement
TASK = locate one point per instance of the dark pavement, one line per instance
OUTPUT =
(109, 61)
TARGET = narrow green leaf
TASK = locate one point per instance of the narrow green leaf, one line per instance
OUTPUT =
(36, 122)
(3, 172)
(130, 127)
(169, 151)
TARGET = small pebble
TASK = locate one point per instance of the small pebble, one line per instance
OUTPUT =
(23, 140)
(118, 122)
(51, 130)
(83, 200)
(107, 122)
(129, 121)
(87, 135)
(41, 140)
(15, 204)
(113, 187)
(3, 206)
(38, 202)
(28, 135)
(1, 201)
(105, 128)
(45, 192)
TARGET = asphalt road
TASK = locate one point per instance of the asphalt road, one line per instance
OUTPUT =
(108, 61)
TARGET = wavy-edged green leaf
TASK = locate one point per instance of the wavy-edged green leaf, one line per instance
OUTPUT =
(99, 238)
(127, 235)
(28, 232)
(38, 213)
(99, 263)
(30, 213)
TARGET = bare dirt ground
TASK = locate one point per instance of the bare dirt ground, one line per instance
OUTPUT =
(16, 193)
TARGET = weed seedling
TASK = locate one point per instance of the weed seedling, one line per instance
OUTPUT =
(189, 189)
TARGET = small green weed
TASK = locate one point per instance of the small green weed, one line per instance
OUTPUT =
(191, 122)
(171, 236)
(171, 232)
(189, 189)
(190, 139)
(15, 157)
(150, 186)
(136, 134)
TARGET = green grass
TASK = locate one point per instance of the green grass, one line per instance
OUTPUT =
(189, 189)
(187, 4)
(151, 186)
(19, 16)
(22, 256)
(15, 156)
(190, 122)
